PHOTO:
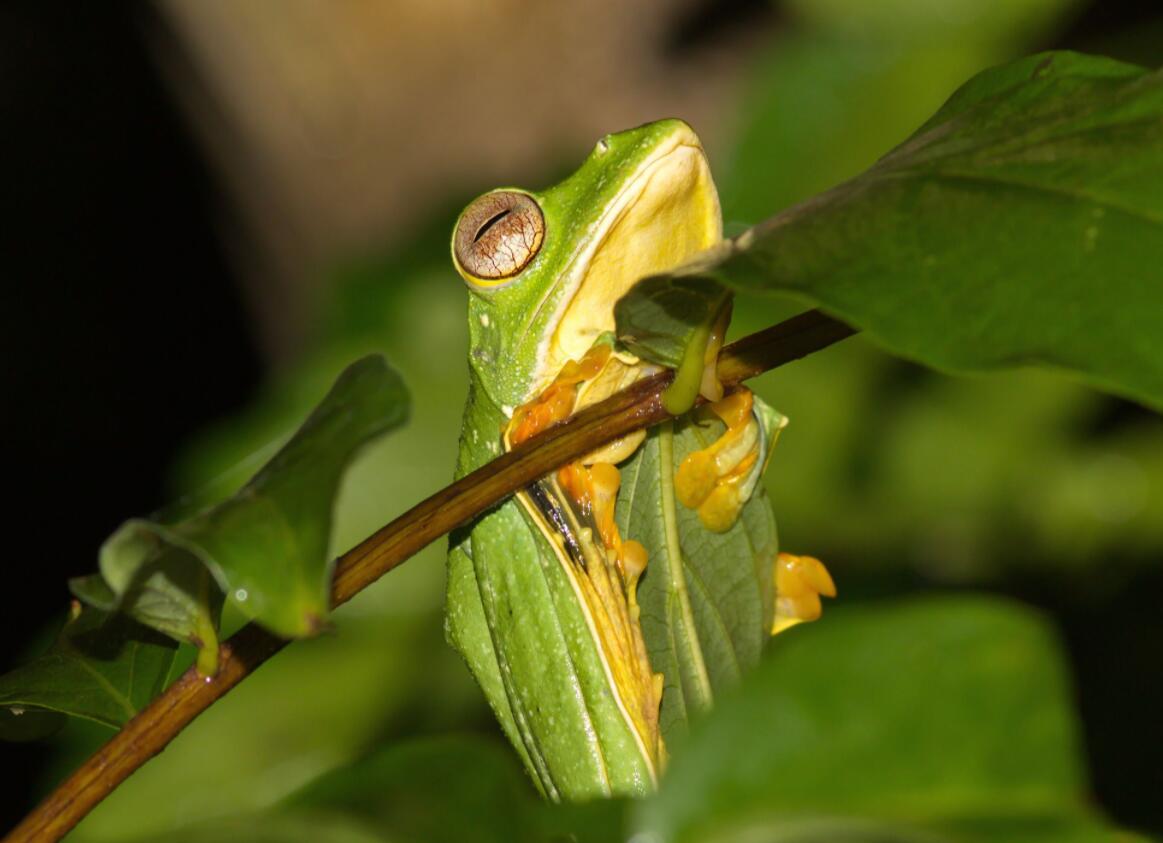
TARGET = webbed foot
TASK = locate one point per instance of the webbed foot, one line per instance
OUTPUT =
(799, 582)
(719, 479)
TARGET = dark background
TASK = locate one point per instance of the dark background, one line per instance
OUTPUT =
(120, 319)
(124, 332)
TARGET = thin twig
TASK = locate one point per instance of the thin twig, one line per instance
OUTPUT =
(639, 406)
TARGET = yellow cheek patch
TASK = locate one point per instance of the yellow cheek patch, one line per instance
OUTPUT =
(799, 582)
(669, 213)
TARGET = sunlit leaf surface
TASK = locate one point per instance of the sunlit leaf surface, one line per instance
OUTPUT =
(1022, 224)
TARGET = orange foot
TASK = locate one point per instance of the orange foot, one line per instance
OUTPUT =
(718, 480)
(799, 582)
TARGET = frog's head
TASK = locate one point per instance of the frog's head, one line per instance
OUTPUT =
(545, 269)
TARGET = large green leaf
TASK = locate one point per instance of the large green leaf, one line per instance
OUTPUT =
(1003, 829)
(1022, 224)
(274, 828)
(266, 546)
(706, 599)
(443, 789)
(451, 789)
(457, 788)
(102, 667)
(867, 428)
(947, 717)
(941, 720)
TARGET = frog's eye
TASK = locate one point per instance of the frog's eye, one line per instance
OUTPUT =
(498, 235)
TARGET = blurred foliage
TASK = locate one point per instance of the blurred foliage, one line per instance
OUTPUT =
(942, 719)
(103, 667)
(266, 545)
(1019, 224)
(161, 582)
(932, 713)
(853, 79)
(960, 480)
(449, 789)
(387, 672)
(889, 472)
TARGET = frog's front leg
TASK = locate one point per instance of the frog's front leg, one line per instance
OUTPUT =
(717, 481)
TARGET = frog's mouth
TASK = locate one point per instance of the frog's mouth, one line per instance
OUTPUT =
(667, 212)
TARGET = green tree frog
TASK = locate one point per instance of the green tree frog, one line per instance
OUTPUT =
(604, 605)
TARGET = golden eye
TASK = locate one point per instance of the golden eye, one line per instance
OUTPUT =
(498, 234)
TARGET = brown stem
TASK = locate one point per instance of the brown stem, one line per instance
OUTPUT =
(639, 406)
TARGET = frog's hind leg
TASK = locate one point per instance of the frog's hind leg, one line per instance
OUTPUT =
(718, 480)
(466, 628)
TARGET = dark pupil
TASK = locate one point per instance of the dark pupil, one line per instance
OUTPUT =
(489, 223)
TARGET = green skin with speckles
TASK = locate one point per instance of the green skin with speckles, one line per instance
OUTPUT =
(511, 610)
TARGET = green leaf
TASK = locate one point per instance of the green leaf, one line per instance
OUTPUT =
(102, 667)
(1022, 224)
(248, 752)
(450, 789)
(670, 322)
(455, 788)
(939, 715)
(440, 789)
(266, 547)
(706, 599)
(274, 828)
(659, 322)
(998, 830)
